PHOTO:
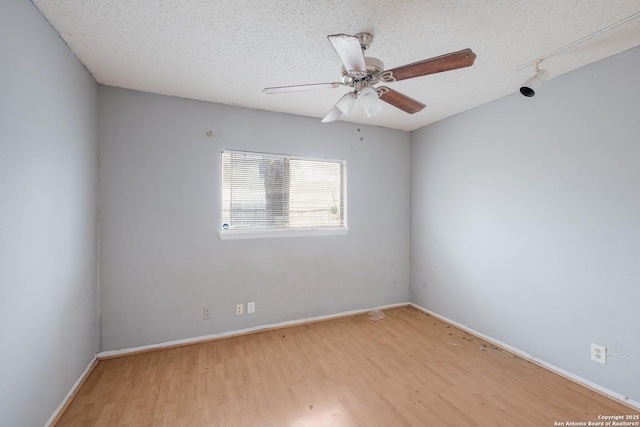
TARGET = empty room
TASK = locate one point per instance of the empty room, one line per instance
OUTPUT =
(355, 213)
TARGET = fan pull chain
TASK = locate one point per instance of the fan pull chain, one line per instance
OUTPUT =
(359, 129)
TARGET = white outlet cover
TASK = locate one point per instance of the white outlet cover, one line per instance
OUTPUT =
(599, 353)
(239, 309)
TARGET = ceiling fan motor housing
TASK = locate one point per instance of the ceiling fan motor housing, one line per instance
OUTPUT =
(374, 68)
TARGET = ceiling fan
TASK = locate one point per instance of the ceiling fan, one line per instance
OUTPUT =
(362, 72)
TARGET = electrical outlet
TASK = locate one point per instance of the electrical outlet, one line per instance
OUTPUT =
(599, 353)
(206, 313)
(251, 307)
(239, 309)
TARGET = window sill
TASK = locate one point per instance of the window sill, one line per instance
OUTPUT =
(261, 234)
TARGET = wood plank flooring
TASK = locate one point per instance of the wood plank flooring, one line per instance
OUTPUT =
(408, 369)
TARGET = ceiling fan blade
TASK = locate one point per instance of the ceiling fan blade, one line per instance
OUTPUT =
(450, 61)
(350, 52)
(398, 100)
(300, 88)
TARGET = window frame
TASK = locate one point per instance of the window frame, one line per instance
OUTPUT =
(233, 234)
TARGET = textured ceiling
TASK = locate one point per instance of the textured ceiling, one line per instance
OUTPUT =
(228, 51)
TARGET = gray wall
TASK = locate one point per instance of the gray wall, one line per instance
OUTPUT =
(161, 259)
(526, 221)
(48, 166)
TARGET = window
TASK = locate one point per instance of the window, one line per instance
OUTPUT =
(264, 193)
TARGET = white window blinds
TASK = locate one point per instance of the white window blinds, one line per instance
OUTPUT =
(269, 191)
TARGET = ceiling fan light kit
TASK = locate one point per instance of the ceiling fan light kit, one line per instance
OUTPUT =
(368, 97)
(346, 103)
(361, 73)
(369, 101)
(373, 110)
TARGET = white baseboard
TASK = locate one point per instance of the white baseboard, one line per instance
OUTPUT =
(67, 399)
(550, 367)
(194, 340)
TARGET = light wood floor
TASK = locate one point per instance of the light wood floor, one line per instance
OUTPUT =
(406, 369)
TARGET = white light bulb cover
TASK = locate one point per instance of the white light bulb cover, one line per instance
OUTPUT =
(346, 103)
(368, 97)
(375, 109)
